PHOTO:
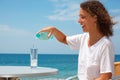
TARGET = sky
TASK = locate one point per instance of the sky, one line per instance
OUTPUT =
(20, 20)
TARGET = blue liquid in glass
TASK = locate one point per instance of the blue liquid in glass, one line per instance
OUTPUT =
(43, 36)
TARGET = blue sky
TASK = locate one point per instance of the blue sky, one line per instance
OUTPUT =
(21, 19)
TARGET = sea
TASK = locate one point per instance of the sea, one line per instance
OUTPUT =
(65, 63)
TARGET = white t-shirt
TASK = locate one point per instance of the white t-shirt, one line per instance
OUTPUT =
(94, 60)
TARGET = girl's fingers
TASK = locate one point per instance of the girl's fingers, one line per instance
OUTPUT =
(43, 30)
(50, 33)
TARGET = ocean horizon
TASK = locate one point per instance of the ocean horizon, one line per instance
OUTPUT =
(65, 63)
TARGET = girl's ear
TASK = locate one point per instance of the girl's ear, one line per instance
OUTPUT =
(95, 18)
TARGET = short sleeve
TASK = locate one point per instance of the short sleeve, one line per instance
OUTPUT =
(74, 41)
(107, 59)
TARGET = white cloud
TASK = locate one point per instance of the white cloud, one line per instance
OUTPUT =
(116, 17)
(65, 10)
(54, 0)
(9, 31)
(117, 25)
(115, 11)
(14, 39)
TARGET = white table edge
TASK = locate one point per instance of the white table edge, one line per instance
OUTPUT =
(30, 75)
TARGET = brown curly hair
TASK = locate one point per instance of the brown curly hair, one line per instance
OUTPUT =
(104, 21)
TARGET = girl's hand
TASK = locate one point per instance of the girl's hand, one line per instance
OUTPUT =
(49, 29)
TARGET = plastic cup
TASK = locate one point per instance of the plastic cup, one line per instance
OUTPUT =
(43, 36)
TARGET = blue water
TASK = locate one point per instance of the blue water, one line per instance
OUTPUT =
(65, 63)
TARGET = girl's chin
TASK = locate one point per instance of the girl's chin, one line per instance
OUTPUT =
(85, 30)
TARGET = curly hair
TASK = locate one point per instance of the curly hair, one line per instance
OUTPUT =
(104, 20)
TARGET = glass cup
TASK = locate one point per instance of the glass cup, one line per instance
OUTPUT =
(33, 58)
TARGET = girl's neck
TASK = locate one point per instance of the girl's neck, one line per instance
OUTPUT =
(94, 38)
